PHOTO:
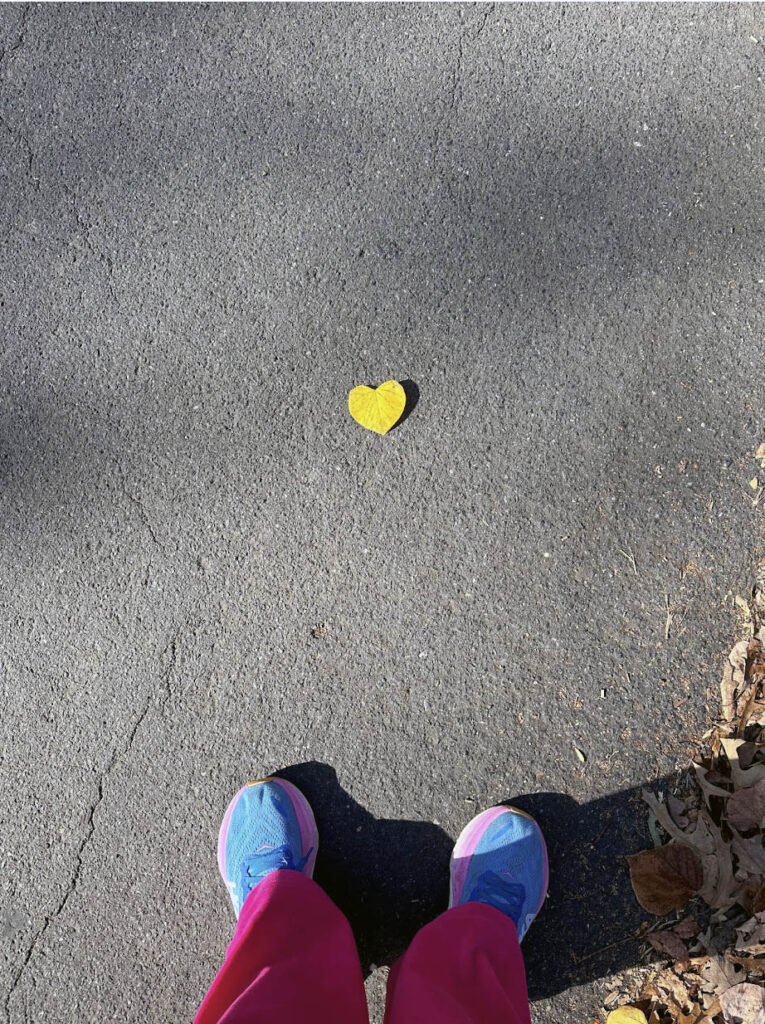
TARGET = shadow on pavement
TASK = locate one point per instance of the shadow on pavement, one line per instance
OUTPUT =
(412, 393)
(391, 877)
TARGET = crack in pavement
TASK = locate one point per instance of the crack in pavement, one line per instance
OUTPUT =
(17, 135)
(140, 506)
(21, 37)
(456, 84)
(100, 256)
(14, 132)
(458, 70)
(90, 824)
(490, 10)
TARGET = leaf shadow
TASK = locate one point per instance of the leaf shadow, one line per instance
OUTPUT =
(412, 392)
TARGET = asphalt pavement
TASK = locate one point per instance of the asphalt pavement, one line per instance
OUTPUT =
(215, 221)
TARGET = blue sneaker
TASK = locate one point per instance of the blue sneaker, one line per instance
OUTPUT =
(268, 826)
(500, 858)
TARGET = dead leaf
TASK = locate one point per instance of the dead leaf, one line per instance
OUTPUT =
(666, 987)
(720, 888)
(707, 786)
(700, 840)
(665, 879)
(733, 680)
(751, 932)
(677, 811)
(750, 853)
(719, 975)
(712, 1007)
(757, 715)
(747, 753)
(686, 928)
(760, 453)
(755, 661)
(669, 944)
(751, 964)
(695, 1015)
(754, 676)
(721, 831)
(745, 808)
(612, 997)
(742, 778)
(744, 1004)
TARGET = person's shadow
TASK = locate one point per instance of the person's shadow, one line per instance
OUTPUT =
(391, 877)
(388, 877)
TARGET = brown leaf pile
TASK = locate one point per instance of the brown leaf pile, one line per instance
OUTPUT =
(716, 853)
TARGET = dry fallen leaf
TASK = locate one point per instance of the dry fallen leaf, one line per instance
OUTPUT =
(741, 778)
(686, 928)
(721, 887)
(744, 1004)
(745, 808)
(665, 879)
(695, 1016)
(755, 663)
(751, 932)
(377, 409)
(754, 966)
(733, 679)
(667, 988)
(677, 811)
(669, 944)
(747, 754)
(717, 852)
(707, 785)
(719, 975)
(750, 853)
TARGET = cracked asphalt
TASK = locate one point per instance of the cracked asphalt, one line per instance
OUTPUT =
(216, 220)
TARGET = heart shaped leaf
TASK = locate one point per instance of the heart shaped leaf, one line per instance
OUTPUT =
(377, 409)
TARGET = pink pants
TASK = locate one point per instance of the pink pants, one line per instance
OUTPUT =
(293, 961)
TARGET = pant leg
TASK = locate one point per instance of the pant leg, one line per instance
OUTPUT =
(292, 960)
(463, 968)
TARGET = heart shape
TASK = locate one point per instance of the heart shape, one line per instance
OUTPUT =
(377, 409)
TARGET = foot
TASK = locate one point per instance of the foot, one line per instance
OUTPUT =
(268, 826)
(500, 858)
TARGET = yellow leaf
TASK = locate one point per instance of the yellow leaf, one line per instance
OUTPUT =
(377, 409)
(754, 483)
(626, 1015)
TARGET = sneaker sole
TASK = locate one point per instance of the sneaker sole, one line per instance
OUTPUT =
(309, 834)
(468, 840)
